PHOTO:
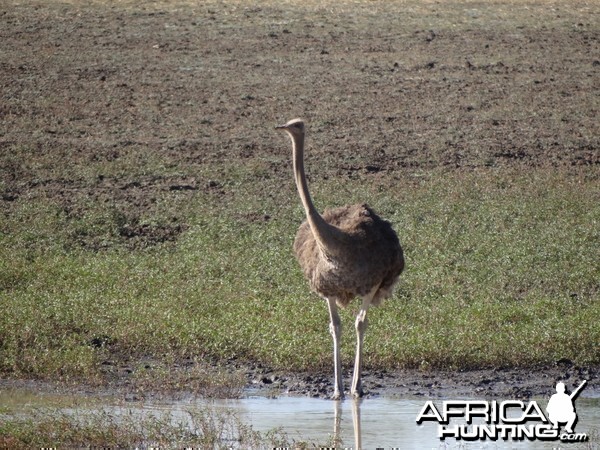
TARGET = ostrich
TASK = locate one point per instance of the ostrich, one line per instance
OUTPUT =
(347, 252)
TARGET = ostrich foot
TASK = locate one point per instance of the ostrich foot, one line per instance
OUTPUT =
(358, 393)
(357, 390)
(337, 396)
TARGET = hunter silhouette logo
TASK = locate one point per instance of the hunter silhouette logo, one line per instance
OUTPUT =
(561, 409)
(517, 420)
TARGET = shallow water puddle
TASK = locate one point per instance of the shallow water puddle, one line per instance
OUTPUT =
(370, 423)
(378, 422)
(19, 400)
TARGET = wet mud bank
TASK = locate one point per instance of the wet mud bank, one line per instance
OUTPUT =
(488, 383)
(511, 383)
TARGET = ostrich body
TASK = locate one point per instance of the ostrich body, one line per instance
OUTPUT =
(347, 252)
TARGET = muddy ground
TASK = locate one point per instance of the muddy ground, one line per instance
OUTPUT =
(501, 384)
(95, 97)
(488, 383)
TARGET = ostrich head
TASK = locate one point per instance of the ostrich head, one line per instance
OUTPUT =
(294, 127)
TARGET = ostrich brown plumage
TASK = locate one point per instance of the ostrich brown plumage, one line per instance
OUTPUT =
(347, 252)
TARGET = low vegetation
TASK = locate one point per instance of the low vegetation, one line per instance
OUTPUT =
(98, 428)
(501, 271)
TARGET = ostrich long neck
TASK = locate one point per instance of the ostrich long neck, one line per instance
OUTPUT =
(322, 231)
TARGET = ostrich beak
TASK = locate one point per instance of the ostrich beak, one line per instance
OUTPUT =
(280, 127)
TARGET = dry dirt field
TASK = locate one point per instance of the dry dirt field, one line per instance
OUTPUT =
(401, 86)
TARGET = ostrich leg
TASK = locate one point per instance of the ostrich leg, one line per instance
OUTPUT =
(335, 328)
(361, 325)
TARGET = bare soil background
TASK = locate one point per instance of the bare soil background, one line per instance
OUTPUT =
(88, 91)
(96, 98)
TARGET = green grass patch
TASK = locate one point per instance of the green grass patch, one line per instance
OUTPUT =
(501, 270)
